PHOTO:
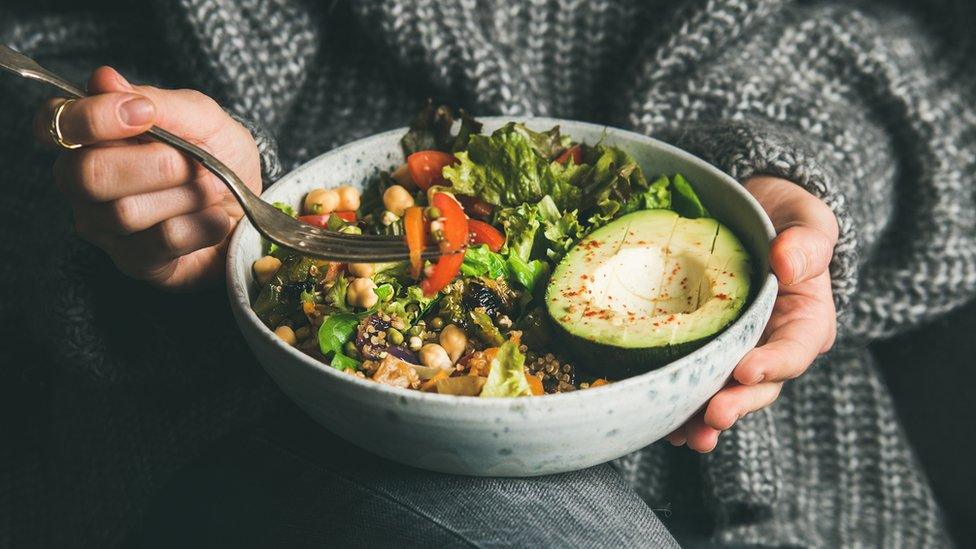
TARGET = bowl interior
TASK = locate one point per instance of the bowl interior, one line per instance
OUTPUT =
(356, 163)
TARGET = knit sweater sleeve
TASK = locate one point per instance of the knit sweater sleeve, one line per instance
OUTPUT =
(856, 105)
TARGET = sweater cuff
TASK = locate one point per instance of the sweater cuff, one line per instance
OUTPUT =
(267, 149)
(751, 147)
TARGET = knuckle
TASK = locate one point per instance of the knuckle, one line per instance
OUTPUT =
(125, 215)
(91, 173)
(170, 238)
(170, 164)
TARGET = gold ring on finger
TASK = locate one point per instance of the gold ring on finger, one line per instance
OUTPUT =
(56, 134)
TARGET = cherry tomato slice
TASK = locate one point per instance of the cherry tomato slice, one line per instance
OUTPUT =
(317, 220)
(443, 272)
(480, 232)
(575, 152)
(323, 220)
(425, 167)
(455, 231)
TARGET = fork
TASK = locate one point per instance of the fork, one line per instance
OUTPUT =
(270, 222)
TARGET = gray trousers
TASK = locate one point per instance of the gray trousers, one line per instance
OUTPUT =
(293, 484)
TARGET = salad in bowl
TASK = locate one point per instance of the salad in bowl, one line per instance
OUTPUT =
(565, 266)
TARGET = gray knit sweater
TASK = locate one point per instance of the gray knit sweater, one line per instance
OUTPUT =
(114, 386)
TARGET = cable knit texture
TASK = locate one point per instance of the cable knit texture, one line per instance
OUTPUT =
(866, 105)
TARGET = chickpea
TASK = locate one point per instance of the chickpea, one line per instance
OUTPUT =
(361, 270)
(362, 293)
(397, 199)
(321, 201)
(433, 355)
(415, 343)
(454, 340)
(265, 268)
(402, 176)
(348, 198)
(286, 334)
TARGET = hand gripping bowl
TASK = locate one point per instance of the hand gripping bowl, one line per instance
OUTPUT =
(509, 436)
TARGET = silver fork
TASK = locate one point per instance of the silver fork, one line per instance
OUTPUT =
(274, 225)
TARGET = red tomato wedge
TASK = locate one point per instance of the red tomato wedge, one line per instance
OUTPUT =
(413, 225)
(454, 226)
(425, 167)
(575, 152)
(323, 220)
(317, 220)
(480, 232)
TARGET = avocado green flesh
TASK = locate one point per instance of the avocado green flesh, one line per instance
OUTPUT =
(646, 289)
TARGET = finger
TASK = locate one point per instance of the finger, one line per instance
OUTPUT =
(701, 437)
(800, 253)
(677, 437)
(145, 252)
(135, 213)
(735, 401)
(106, 117)
(110, 173)
(42, 122)
(791, 345)
(187, 113)
(808, 228)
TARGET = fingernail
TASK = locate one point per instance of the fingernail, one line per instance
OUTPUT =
(137, 111)
(798, 262)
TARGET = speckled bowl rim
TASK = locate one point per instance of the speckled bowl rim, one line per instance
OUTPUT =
(240, 299)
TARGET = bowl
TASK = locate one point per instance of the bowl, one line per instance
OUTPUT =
(508, 436)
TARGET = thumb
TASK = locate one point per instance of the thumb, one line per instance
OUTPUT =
(187, 113)
(807, 229)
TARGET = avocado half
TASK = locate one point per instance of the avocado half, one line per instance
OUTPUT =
(646, 289)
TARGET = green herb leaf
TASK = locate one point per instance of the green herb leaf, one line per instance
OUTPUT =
(333, 334)
(684, 201)
(506, 375)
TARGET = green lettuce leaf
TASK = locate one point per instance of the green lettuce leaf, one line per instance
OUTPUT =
(411, 306)
(684, 201)
(505, 169)
(506, 376)
(333, 334)
(528, 274)
(532, 230)
(285, 208)
(521, 225)
(480, 261)
(561, 230)
(337, 294)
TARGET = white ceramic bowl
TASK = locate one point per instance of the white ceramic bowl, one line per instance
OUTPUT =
(498, 436)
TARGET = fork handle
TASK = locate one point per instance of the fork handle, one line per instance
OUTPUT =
(26, 67)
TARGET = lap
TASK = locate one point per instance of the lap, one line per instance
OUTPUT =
(293, 484)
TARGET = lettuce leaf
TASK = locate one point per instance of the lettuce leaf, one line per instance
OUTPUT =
(521, 225)
(333, 334)
(528, 274)
(506, 169)
(480, 261)
(506, 376)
